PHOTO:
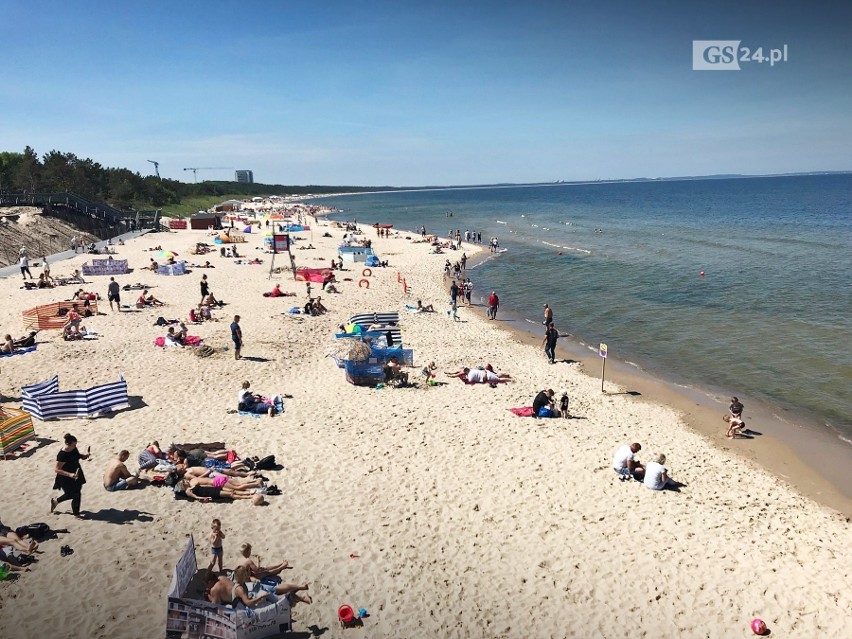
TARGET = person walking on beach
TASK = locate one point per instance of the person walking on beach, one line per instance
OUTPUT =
(205, 288)
(463, 260)
(69, 475)
(454, 293)
(549, 343)
(493, 305)
(114, 294)
(468, 290)
(237, 336)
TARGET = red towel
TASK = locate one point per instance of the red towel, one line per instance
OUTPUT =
(524, 411)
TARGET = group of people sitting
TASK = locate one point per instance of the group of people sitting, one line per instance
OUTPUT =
(653, 474)
(253, 403)
(314, 307)
(249, 585)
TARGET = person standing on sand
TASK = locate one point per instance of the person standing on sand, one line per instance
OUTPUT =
(454, 293)
(46, 270)
(549, 343)
(25, 266)
(493, 305)
(548, 315)
(237, 336)
(216, 537)
(114, 294)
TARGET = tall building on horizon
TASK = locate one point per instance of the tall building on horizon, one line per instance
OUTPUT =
(245, 176)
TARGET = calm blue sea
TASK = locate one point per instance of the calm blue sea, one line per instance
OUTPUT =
(619, 263)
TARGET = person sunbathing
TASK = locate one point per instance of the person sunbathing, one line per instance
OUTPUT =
(276, 291)
(480, 375)
(258, 572)
(85, 295)
(207, 494)
(424, 309)
(8, 346)
(211, 301)
(319, 308)
(218, 480)
(147, 300)
(9, 537)
(26, 341)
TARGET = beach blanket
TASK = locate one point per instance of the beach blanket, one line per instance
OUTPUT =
(524, 411)
(191, 340)
(489, 381)
(20, 351)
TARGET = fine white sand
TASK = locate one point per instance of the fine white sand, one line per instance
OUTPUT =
(466, 520)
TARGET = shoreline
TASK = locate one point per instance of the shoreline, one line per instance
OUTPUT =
(810, 458)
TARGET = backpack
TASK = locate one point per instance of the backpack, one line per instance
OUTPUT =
(161, 321)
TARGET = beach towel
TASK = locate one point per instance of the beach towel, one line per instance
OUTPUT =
(20, 351)
(524, 411)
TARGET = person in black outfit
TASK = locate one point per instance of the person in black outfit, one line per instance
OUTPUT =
(549, 343)
(205, 288)
(542, 400)
(69, 475)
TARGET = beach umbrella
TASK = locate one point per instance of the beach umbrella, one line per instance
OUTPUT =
(166, 255)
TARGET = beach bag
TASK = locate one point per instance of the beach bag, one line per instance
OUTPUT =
(161, 321)
(38, 532)
(266, 463)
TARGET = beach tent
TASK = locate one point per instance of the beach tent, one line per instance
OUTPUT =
(47, 316)
(190, 617)
(44, 400)
(16, 427)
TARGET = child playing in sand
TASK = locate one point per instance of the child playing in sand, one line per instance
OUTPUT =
(216, 537)
(563, 405)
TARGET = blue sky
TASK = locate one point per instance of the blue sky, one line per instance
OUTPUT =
(395, 93)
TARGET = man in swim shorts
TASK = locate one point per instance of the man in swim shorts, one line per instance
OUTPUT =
(116, 475)
(114, 294)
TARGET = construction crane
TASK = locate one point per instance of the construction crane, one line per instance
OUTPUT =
(156, 168)
(196, 169)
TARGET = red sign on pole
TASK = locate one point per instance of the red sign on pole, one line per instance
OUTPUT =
(281, 243)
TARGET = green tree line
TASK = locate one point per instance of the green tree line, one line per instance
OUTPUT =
(124, 189)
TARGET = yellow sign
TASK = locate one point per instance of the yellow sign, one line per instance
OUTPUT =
(602, 350)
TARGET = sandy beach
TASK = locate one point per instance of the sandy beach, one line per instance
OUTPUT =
(434, 508)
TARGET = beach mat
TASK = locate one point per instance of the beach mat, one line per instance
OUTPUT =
(20, 351)
(523, 411)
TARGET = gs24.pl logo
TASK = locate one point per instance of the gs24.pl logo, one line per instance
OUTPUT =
(726, 55)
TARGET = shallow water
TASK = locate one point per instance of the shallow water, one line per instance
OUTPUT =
(620, 263)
